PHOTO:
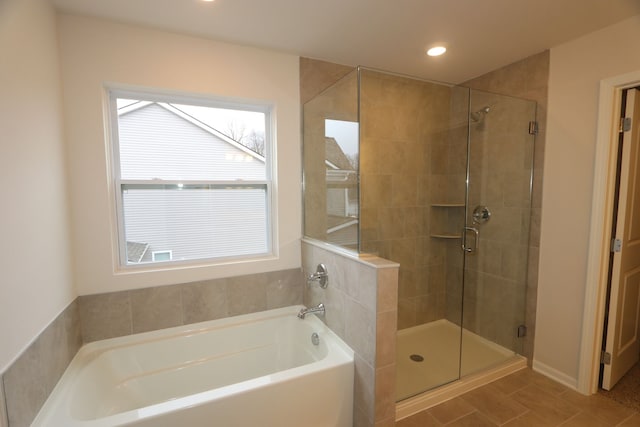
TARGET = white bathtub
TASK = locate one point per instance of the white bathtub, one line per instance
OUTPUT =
(259, 369)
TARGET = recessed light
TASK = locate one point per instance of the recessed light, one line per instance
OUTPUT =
(436, 51)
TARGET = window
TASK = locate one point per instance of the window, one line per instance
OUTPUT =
(191, 178)
(161, 256)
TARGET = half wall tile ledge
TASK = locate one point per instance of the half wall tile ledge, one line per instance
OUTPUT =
(366, 259)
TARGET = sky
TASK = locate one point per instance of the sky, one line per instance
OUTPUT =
(345, 134)
(219, 118)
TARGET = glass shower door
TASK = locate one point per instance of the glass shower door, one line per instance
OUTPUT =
(430, 280)
(495, 239)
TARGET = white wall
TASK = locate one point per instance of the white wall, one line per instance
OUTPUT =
(576, 70)
(34, 254)
(94, 52)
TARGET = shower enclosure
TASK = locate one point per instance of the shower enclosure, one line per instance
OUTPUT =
(437, 178)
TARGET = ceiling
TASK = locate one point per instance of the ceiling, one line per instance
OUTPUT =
(392, 35)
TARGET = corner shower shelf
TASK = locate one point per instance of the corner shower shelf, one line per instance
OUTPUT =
(446, 235)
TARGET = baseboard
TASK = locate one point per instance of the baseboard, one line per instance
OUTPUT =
(556, 375)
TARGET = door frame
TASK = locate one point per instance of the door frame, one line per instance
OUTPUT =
(609, 109)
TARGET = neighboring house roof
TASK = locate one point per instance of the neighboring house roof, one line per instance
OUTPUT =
(335, 157)
(178, 112)
(136, 251)
(158, 142)
(335, 223)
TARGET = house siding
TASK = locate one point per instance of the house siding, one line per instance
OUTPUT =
(197, 224)
(155, 143)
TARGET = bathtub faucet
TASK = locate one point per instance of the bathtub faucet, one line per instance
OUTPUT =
(318, 310)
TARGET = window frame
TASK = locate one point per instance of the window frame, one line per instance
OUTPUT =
(117, 184)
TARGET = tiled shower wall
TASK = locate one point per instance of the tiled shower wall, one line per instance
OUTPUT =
(408, 165)
(31, 378)
(361, 307)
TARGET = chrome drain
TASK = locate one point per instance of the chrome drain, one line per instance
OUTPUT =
(416, 358)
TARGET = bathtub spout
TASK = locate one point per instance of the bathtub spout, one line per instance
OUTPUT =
(318, 310)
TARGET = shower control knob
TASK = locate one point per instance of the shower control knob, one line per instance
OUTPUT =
(481, 214)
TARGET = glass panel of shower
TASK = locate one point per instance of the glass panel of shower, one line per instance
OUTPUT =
(496, 235)
(330, 164)
(440, 182)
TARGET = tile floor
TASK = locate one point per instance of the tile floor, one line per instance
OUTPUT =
(525, 398)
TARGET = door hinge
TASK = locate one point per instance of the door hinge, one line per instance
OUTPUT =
(605, 358)
(616, 245)
(625, 124)
(533, 128)
(522, 331)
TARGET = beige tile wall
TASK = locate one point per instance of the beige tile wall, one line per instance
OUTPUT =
(404, 153)
(318, 76)
(4, 422)
(361, 307)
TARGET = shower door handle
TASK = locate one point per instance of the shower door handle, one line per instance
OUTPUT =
(476, 242)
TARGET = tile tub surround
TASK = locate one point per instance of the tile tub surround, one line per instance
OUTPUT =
(127, 312)
(361, 307)
(4, 422)
(31, 378)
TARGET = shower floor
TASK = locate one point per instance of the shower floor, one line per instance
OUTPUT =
(438, 343)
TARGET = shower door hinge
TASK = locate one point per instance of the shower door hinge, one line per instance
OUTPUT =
(625, 124)
(605, 358)
(533, 128)
(522, 331)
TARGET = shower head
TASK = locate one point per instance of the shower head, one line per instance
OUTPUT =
(478, 116)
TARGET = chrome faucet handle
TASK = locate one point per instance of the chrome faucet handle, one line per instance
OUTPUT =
(321, 276)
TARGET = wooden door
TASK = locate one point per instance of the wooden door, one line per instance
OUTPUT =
(623, 342)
